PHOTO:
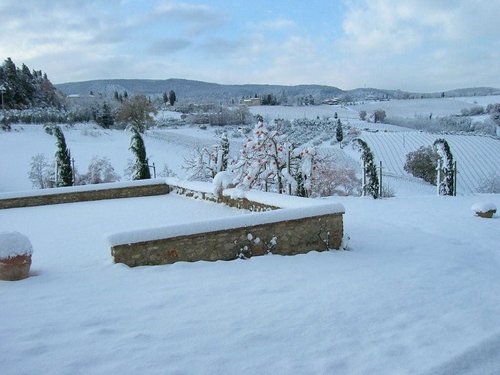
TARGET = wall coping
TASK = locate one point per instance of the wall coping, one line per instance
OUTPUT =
(81, 188)
(208, 226)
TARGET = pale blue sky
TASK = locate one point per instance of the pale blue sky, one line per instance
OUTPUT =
(417, 45)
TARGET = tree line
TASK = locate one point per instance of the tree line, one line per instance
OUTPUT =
(24, 88)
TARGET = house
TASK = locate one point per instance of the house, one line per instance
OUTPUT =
(251, 102)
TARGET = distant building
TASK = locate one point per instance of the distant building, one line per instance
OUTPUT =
(332, 101)
(251, 102)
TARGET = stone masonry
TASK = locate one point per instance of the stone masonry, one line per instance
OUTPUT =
(285, 238)
(82, 196)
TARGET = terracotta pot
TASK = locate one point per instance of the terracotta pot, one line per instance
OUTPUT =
(15, 268)
(487, 214)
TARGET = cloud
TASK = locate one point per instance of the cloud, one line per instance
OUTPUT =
(193, 18)
(169, 45)
(421, 44)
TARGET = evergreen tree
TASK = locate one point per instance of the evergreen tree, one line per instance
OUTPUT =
(63, 160)
(106, 118)
(339, 134)
(224, 144)
(141, 168)
(165, 98)
(446, 187)
(370, 170)
(171, 97)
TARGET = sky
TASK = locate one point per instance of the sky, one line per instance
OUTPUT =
(413, 45)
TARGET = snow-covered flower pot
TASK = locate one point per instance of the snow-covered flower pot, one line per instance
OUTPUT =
(15, 256)
(485, 210)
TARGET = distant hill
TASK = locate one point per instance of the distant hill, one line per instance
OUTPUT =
(188, 90)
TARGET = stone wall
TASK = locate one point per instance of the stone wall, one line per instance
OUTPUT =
(285, 238)
(241, 203)
(98, 193)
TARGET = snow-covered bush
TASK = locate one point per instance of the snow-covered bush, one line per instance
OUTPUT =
(473, 111)
(422, 163)
(379, 115)
(203, 163)
(99, 171)
(334, 178)
(490, 184)
(41, 173)
(166, 172)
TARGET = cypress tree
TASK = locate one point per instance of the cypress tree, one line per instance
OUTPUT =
(63, 160)
(224, 143)
(339, 132)
(171, 97)
(446, 186)
(370, 170)
(141, 168)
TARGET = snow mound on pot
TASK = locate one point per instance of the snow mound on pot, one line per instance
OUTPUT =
(483, 207)
(13, 244)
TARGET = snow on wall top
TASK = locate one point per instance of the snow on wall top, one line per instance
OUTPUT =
(200, 186)
(13, 244)
(251, 219)
(82, 188)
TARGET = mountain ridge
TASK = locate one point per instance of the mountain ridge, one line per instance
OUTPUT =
(193, 90)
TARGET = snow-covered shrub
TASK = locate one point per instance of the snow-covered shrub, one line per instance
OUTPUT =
(494, 111)
(203, 163)
(379, 115)
(362, 115)
(474, 111)
(99, 171)
(490, 184)
(166, 172)
(387, 191)
(41, 173)
(422, 163)
(334, 178)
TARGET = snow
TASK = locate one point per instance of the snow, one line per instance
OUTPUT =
(415, 294)
(213, 225)
(82, 188)
(483, 207)
(13, 244)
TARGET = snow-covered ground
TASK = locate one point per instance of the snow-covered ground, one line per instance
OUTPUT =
(416, 294)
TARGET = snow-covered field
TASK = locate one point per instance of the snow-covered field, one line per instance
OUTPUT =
(416, 294)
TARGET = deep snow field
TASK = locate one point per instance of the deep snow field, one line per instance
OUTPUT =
(417, 291)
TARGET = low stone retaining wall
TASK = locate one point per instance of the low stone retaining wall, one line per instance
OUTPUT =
(284, 233)
(82, 194)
